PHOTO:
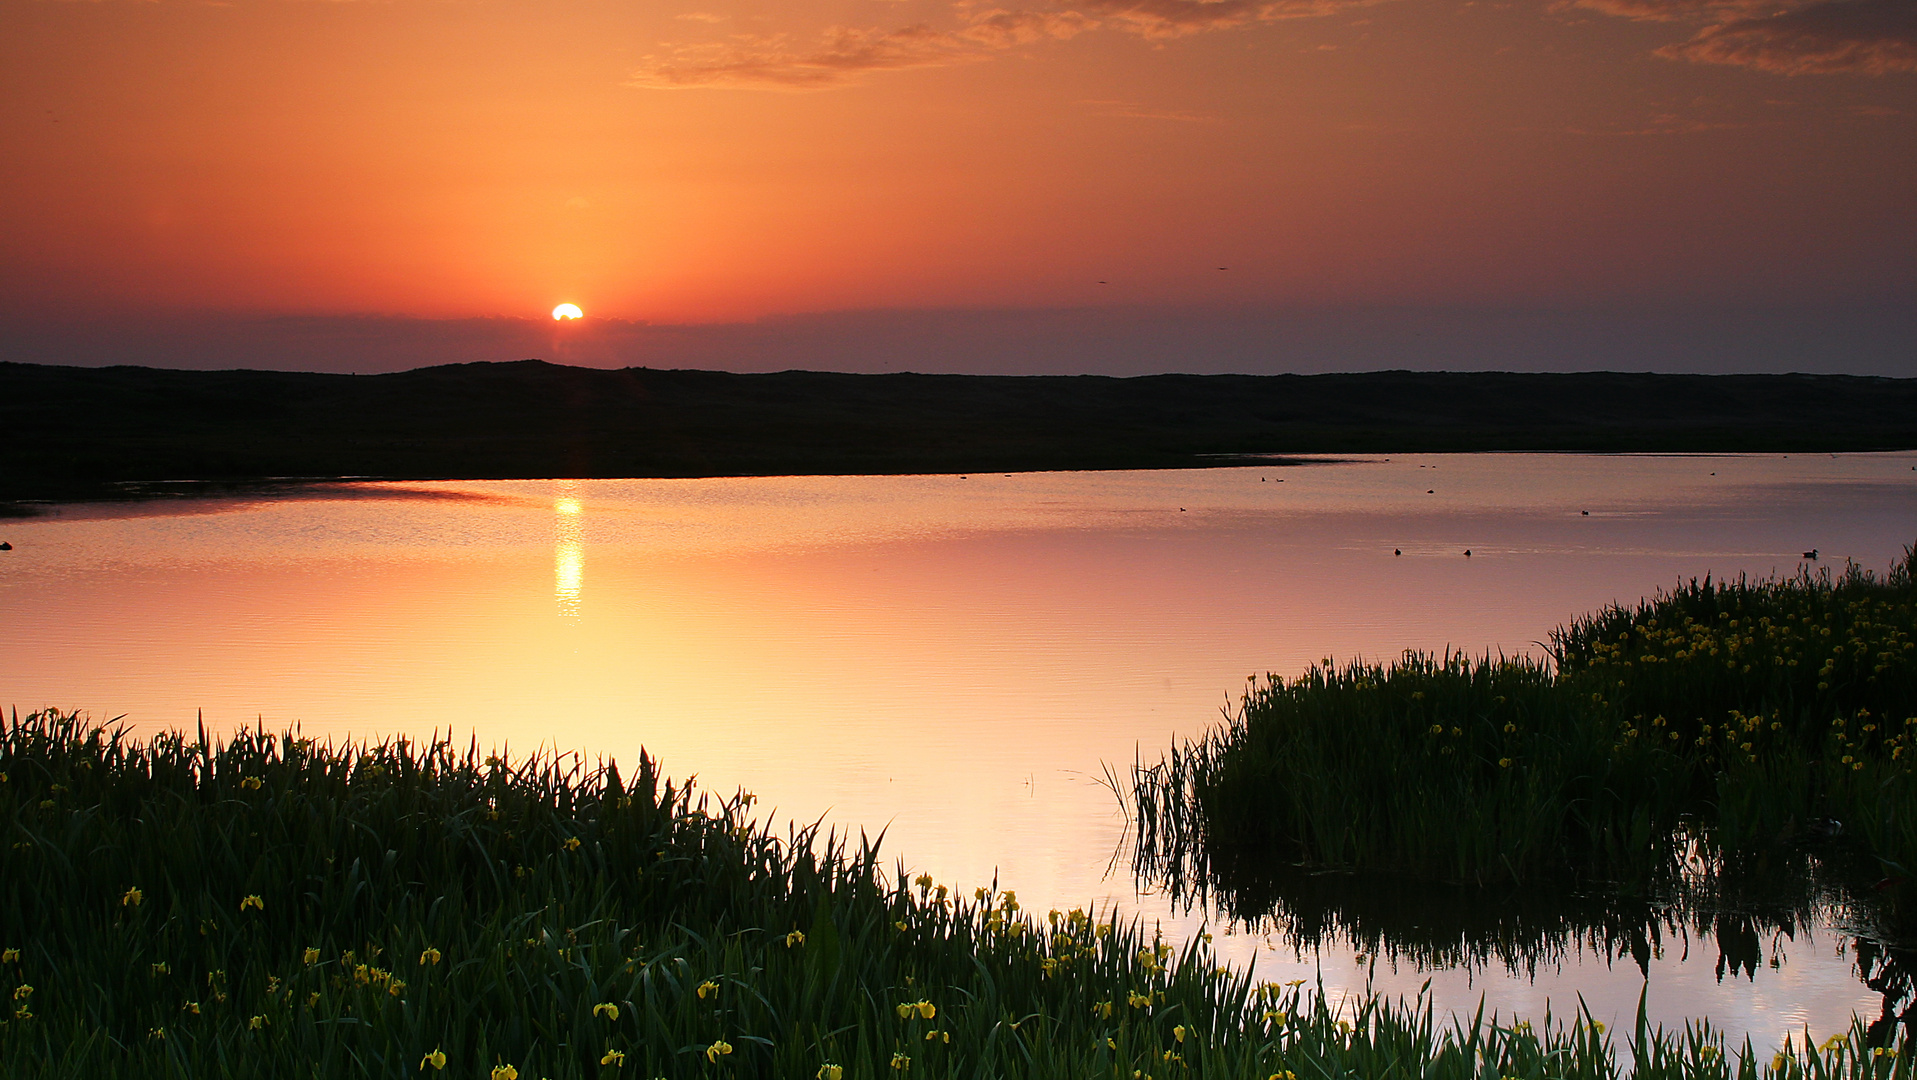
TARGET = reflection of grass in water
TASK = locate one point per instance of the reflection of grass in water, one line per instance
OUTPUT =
(272, 907)
(1731, 714)
(1520, 929)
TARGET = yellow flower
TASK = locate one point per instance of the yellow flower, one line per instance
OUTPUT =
(796, 937)
(251, 783)
(899, 926)
(10, 956)
(708, 989)
(312, 999)
(1102, 1010)
(505, 1072)
(923, 881)
(1137, 1000)
(396, 987)
(437, 1059)
(22, 992)
(829, 1071)
(1504, 763)
(156, 1033)
(926, 1010)
(1178, 1032)
(904, 1009)
(256, 1023)
(613, 1057)
(901, 1062)
(1286, 1075)
(132, 898)
(430, 956)
(935, 1036)
(571, 844)
(253, 901)
(310, 956)
(606, 1009)
(191, 1007)
(718, 1050)
(1777, 1063)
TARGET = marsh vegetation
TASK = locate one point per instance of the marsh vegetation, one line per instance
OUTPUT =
(271, 906)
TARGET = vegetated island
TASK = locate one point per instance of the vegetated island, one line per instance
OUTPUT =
(74, 432)
(1723, 729)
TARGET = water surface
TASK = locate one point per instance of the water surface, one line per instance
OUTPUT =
(951, 659)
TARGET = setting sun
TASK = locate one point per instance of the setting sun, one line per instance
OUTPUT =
(567, 311)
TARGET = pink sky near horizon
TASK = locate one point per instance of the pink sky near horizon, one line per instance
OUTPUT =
(685, 162)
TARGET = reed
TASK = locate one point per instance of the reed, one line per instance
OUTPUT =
(1709, 723)
(266, 905)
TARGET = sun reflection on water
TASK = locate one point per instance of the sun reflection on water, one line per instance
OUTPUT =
(569, 548)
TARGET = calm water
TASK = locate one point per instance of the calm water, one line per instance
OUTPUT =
(951, 659)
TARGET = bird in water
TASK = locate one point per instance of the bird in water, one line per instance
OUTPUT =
(1467, 553)
(1811, 554)
(1397, 551)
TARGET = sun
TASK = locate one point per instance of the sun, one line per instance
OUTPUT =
(567, 311)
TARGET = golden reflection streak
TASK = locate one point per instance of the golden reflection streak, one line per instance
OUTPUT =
(569, 548)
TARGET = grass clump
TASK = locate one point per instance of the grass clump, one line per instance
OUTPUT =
(271, 906)
(1722, 718)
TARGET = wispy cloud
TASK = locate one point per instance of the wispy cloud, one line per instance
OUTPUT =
(1158, 19)
(845, 55)
(1678, 10)
(1786, 37)
(1861, 37)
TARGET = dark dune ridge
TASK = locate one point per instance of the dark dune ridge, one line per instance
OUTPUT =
(84, 432)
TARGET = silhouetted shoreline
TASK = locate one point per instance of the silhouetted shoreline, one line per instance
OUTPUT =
(79, 433)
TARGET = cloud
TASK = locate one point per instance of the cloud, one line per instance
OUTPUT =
(1860, 37)
(844, 54)
(1159, 19)
(1679, 10)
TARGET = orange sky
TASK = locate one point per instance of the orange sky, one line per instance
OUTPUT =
(685, 161)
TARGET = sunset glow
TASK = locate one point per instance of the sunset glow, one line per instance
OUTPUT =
(697, 164)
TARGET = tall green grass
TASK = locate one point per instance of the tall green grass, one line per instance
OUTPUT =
(1729, 718)
(270, 906)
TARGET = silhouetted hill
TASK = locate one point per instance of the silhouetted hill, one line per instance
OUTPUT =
(74, 431)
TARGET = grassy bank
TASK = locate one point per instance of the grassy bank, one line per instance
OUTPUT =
(1740, 720)
(268, 906)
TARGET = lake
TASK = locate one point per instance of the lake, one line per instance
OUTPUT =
(955, 660)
